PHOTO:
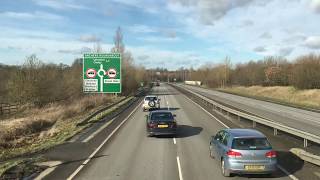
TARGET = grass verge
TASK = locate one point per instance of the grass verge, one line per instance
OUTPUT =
(285, 95)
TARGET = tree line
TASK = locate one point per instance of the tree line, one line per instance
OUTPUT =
(41, 83)
(302, 73)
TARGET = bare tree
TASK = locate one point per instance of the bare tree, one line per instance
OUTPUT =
(131, 75)
(118, 42)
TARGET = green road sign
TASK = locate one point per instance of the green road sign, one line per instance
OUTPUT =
(102, 73)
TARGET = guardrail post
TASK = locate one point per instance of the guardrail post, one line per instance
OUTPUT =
(239, 118)
(275, 131)
(228, 114)
(305, 143)
(254, 124)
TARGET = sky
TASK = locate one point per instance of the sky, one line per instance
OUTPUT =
(160, 33)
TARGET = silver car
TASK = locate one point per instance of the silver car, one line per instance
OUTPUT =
(151, 102)
(243, 151)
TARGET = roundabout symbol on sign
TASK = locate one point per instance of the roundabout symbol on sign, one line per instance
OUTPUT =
(91, 73)
(111, 73)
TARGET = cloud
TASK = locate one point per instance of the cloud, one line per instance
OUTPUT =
(247, 23)
(59, 5)
(14, 48)
(158, 39)
(153, 7)
(139, 28)
(312, 42)
(260, 49)
(56, 47)
(31, 15)
(170, 33)
(207, 11)
(285, 51)
(75, 51)
(89, 38)
(265, 35)
(170, 59)
(143, 57)
(315, 5)
(295, 38)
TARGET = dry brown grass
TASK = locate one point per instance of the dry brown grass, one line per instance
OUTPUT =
(42, 123)
(286, 94)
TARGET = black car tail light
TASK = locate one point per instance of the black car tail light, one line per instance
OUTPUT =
(174, 125)
(152, 125)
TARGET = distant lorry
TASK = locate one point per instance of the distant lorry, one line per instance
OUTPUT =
(195, 83)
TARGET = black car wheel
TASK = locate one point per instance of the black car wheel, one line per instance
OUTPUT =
(211, 154)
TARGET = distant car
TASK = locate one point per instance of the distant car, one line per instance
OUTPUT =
(243, 151)
(158, 83)
(151, 102)
(161, 122)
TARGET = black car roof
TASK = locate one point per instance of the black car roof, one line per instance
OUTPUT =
(160, 111)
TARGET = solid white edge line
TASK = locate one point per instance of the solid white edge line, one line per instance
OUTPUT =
(179, 168)
(208, 113)
(280, 167)
(174, 141)
(101, 145)
(99, 130)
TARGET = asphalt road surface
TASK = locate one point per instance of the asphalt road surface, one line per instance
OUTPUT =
(131, 155)
(307, 121)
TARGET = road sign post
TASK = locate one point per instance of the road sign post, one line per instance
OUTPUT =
(102, 73)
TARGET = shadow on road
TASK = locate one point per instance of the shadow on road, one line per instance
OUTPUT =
(290, 161)
(187, 131)
(184, 131)
(287, 160)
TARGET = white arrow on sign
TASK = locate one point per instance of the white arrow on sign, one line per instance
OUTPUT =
(101, 76)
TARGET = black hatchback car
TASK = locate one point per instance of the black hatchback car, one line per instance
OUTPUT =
(161, 122)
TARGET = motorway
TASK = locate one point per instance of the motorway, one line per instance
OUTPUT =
(130, 155)
(304, 120)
